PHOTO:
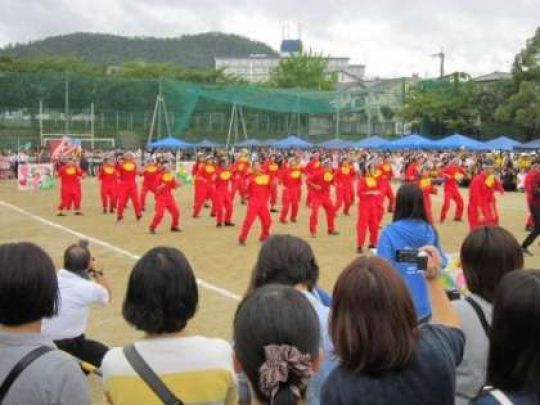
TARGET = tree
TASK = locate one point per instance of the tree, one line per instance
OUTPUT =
(306, 70)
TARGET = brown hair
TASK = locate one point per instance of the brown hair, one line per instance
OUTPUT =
(487, 254)
(373, 323)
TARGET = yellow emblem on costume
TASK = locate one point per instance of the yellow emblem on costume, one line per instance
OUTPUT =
(377, 173)
(241, 166)
(425, 183)
(316, 164)
(328, 177)
(490, 180)
(225, 175)
(458, 176)
(371, 182)
(345, 170)
(151, 169)
(168, 177)
(273, 167)
(295, 174)
(108, 170)
(387, 168)
(129, 167)
(71, 171)
(209, 169)
(262, 179)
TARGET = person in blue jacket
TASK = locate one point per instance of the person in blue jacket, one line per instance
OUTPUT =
(410, 229)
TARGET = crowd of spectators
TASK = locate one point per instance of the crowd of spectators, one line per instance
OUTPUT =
(389, 333)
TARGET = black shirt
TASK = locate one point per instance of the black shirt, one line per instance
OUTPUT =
(428, 380)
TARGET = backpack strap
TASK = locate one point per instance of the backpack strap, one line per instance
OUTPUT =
(498, 395)
(148, 375)
(480, 314)
(23, 363)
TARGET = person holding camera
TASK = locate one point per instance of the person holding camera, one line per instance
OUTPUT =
(81, 285)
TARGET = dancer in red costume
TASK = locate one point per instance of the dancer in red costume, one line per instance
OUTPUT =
(258, 195)
(70, 187)
(223, 201)
(127, 186)
(313, 165)
(428, 188)
(165, 199)
(209, 173)
(412, 171)
(107, 177)
(240, 177)
(345, 177)
(386, 176)
(291, 179)
(200, 186)
(321, 180)
(452, 174)
(151, 179)
(369, 196)
(480, 210)
(271, 167)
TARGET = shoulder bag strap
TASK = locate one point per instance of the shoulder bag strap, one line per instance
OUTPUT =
(20, 367)
(500, 397)
(150, 377)
(481, 316)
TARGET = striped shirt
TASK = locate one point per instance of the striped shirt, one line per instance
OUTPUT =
(198, 370)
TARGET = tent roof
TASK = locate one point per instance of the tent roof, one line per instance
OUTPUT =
(373, 142)
(336, 143)
(502, 143)
(292, 142)
(535, 144)
(413, 141)
(206, 143)
(458, 141)
(249, 143)
(170, 143)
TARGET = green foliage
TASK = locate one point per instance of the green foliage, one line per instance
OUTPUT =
(305, 71)
(195, 51)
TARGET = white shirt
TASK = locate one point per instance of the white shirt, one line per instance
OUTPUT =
(76, 296)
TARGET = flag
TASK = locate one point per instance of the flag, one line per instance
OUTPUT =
(65, 147)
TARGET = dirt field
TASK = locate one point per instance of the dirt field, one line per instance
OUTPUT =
(214, 253)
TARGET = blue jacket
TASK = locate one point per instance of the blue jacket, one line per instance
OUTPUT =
(410, 234)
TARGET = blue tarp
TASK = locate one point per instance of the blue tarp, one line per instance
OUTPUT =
(502, 143)
(206, 143)
(535, 144)
(458, 141)
(373, 142)
(249, 143)
(292, 142)
(413, 141)
(336, 144)
(170, 143)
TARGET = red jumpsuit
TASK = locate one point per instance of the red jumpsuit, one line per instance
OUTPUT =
(127, 189)
(310, 168)
(200, 184)
(223, 196)
(291, 178)
(497, 186)
(452, 175)
(528, 186)
(258, 197)
(70, 187)
(388, 192)
(383, 185)
(240, 177)
(345, 177)
(427, 189)
(108, 190)
(272, 169)
(209, 173)
(369, 194)
(412, 172)
(165, 201)
(479, 202)
(321, 181)
(151, 179)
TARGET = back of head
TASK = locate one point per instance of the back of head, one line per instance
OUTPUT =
(410, 203)
(77, 258)
(487, 254)
(162, 294)
(275, 325)
(285, 259)
(373, 322)
(28, 284)
(514, 354)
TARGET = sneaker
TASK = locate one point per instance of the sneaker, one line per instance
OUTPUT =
(139, 217)
(104, 210)
(526, 251)
(176, 229)
(313, 235)
(274, 210)
(359, 250)
(458, 220)
(152, 231)
(242, 242)
(293, 220)
(120, 218)
(219, 225)
(371, 247)
(333, 233)
(229, 224)
(60, 214)
(79, 213)
(283, 221)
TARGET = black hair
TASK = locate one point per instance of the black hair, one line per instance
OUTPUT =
(274, 315)
(514, 354)
(77, 258)
(285, 259)
(162, 294)
(28, 284)
(410, 203)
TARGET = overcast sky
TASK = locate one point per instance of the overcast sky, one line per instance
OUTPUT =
(391, 37)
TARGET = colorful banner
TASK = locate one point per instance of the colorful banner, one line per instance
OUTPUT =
(35, 176)
(183, 171)
(64, 148)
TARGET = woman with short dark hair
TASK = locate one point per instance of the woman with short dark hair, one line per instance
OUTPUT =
(384, 356)
(161, 298)
(487, 255)
(276, 344)
(29, 293)
(513, 371)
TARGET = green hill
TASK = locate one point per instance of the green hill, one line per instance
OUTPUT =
(189, 50)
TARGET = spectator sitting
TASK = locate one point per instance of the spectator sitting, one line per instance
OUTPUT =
(81, 285)
(487, 254)
(289, 260)
(276, 337)
(29, 293)
(410, 229)
(161, 298)
(514, 355)
(385, 357)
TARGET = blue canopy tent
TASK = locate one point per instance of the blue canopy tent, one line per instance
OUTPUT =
(336, 144)
(535, 144)
(373, 142)
(458, 141)
(206, 143)
(413, 141)
(170, 143)
(269, 142)
(502, 143)
(292, 142)
(249, 143)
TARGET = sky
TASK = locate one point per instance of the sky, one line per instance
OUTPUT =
(391, 37)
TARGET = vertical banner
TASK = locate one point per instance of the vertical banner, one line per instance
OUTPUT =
(183, 171)
(35, 176)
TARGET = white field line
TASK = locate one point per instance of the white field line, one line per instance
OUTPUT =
(204, 284)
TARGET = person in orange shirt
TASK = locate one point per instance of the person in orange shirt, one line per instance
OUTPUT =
(165, 199)
(258, 195)
(151, 178)
(426, 185)
(412, 171)
(321, 180)
(271, 167)
(127, 186)
(345, 177)
(240, 176)
(291, 179)
(107, 177)
(223, 196)
(200, 185)
(452, 174)
(369, 197)
(387, 174)
(70, 187)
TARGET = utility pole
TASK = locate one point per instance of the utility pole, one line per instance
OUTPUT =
(441, 55)
(66, 103)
